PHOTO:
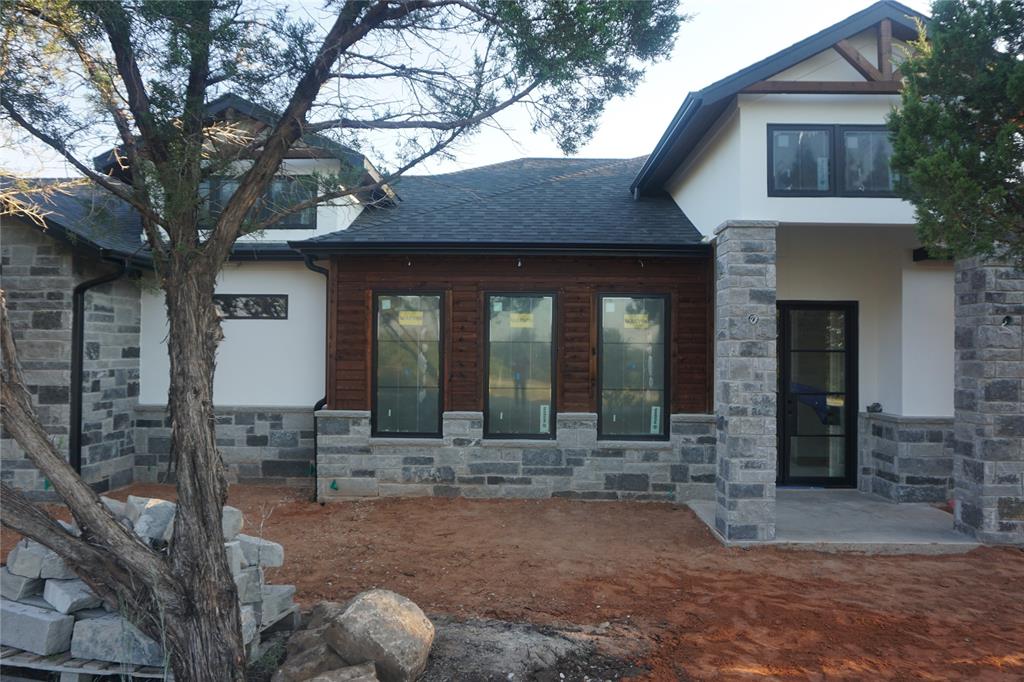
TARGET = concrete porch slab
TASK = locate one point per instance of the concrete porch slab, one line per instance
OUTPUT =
(852, 521)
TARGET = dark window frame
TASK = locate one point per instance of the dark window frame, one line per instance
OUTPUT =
(487, 296)
(809, 127)
(666, 407)
(837, 161)
(292, 221)
(843, 191)
(442, 359)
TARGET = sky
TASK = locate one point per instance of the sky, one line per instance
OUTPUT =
(722, 37)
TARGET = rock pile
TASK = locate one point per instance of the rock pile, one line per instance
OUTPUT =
(378, 635)
(46, 609)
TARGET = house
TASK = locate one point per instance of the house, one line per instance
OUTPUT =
(744, 308)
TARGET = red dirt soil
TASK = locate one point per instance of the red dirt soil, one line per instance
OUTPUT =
(683, 606)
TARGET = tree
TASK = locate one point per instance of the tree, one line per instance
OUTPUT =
(958, 137)
(418, 75)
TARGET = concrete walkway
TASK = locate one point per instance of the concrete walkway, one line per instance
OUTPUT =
(848, 520)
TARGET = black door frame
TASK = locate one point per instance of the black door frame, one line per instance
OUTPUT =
(851, 403)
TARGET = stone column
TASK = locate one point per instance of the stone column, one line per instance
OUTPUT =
(746, 380)
(989, 402)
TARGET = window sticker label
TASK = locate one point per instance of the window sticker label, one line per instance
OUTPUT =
(835, 400)
(656, 419)
(521, 320)
(410, 318)
(782, 140)
(545, 418)
(385, 304)
(609, 306)
(496, 306)
(636, 321)
(823, 173)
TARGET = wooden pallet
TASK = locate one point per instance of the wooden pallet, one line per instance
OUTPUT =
(64, 663)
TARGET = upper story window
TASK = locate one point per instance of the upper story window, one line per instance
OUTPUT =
(633, 367)
(284, 192)
(829, 160)
(520, 359)
(407, 364)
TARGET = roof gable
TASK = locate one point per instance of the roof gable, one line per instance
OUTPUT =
(702, 108)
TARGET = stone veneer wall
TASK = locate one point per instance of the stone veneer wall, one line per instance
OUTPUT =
(988, 401)
(463, 463)
(906, 459)
(746, 379)
(264, 445)
(39, 274)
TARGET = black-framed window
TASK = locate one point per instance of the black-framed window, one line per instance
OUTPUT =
(407, 351)
(633, 387)
(829, 160)
(520, 363)
(284, 192)
(864, 156)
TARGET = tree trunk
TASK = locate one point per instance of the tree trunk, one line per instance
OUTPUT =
(205, 637)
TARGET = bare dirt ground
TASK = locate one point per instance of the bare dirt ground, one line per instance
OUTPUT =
(656, 583)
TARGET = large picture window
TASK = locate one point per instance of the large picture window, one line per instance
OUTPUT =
(407, 356)
(865, 153)
(633, 367)
(800, 160)
(520, 353)
(829, 160)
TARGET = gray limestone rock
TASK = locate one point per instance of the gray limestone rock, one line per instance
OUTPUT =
(276, 599)
(112, 638)
(231, 522)
(154, 518)
(68, 596)
(261, 552)
(248, 581)
(34, 629)
(18, 586)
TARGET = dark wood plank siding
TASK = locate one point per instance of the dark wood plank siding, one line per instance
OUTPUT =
(465, 281)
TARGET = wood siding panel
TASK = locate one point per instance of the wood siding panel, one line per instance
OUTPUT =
(575, 280)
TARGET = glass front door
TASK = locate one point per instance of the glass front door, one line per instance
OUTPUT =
(817, 394)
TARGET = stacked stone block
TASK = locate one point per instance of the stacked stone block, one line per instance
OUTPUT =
(47, 610)
(746, 380)
(906, 459)
(266, 445)
(989, 401)
(463, 463)
(39, 276)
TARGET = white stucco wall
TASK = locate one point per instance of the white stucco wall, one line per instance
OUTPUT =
(905, 321)
(260, 362)
(928, 328)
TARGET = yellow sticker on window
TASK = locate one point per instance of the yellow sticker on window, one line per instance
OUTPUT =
(410, 318)
(835, 401)
(521, 320)
(636, 321)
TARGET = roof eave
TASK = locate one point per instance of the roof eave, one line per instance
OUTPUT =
(498, 249)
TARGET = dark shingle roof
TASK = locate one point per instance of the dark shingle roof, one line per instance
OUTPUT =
(543, 204)
(87, 216)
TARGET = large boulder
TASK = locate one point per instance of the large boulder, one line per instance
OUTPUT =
(314, 659)
(153, 519)
(385, 628)
(364, 672)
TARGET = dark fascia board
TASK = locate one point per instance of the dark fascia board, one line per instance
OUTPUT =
(694, 119)
(282, 252)
(503, 249)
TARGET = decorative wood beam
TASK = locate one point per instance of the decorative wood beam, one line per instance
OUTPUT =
(826, 87)
(852, 55)
(885, 48)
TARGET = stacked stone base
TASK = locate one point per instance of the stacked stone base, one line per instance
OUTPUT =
(906, 459)
(46, 610)
(463, 463)
(261, 445)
